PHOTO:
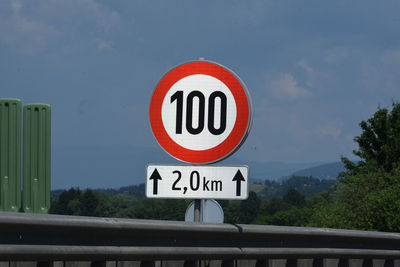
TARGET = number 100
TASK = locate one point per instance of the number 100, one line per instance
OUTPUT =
(178, 97)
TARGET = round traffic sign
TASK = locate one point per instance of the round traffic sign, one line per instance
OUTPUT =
(200, 112)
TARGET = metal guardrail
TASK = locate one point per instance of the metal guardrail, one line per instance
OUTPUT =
(49, 239)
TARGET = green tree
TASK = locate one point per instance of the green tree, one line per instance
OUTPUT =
(67, 203)
(122, 206)
(292, 217)
(148, 208)
(368, 192)
(379, 142)
(174, 209)
(232, 212)
(103, 208)
(249, 208)
(270, 207)
(89, 203)
(294, 198)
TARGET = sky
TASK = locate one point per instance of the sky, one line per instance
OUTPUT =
(314, 69)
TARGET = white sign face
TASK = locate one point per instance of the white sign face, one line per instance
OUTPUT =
(212, 115)
(197, 182)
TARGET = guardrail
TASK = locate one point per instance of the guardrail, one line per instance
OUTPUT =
(56, 240)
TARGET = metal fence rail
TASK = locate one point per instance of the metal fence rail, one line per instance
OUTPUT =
(46, 240)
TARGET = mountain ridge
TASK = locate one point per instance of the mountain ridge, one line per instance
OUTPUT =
(114, 167)
(324, 171)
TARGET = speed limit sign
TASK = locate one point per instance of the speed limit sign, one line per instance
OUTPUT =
(200, 112)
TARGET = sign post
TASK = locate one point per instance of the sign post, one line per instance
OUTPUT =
(197, 210)
(200, 113)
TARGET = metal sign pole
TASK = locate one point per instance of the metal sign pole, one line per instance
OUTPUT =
(197, 210)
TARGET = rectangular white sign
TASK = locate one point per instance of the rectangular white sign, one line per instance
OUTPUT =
(197, 182)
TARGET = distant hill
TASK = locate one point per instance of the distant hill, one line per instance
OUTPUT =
(307, 186)
(137, 191)
(103, 167)
(272, 170)
(328, 170)
(114, 167)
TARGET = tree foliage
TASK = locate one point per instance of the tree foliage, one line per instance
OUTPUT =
(368, 192)
(305, 185)
(128, 202)
(279, 211)
(294, 198)
(379, 142)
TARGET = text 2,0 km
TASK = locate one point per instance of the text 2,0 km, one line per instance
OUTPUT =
(196, 182)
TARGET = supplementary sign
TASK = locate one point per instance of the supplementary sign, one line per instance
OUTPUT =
(197, 182)
(200, 112)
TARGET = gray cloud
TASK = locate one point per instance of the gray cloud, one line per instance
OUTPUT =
(45, 24)
(285, 87)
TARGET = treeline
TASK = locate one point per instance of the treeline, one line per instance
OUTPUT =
(306, 185)
(128, 202)
(100, 204)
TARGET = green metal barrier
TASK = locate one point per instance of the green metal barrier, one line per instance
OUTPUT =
(10, 154)
(36, 155)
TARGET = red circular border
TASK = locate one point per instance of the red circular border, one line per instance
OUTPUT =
(239, 131)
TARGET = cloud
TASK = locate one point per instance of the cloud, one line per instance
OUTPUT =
(103, 45)
(331, 129)
(381, 73)
(286, 88)
(311, 74)
(26, 33)
(336, 54)
(48, 24)
(391, 57)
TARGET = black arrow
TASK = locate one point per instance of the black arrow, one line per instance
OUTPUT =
(155, 176)
(238, 178)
